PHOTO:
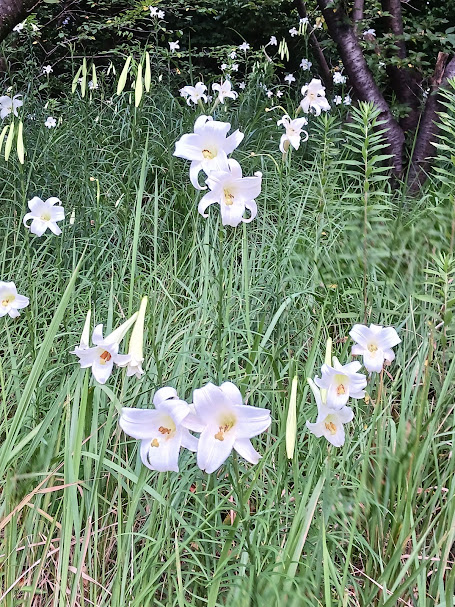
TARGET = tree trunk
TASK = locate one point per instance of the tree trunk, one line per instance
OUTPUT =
(428, 128)
(361, 78)
(13, 12)
(326, 74)
(357, 10)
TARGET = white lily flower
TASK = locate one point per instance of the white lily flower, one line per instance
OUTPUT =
(305, 64)
(293, 31)
(289, 78)
(269, 94)
(19, 27)
(338, 78)
(174, 46)
(194, 93)
(160, 14)
(233, 193)
(279, 93)
(341, 382)
(347, 100)
(102, 357)
(370, 32)
(50, 122)
(314, 98)
(160, 430)
(135, 349)
(232, 55)
(304, 21)
(244, 47)
(242, 86)
(338, 100)
(294, 128)
(224, 91)
(235, 67)
(47, 69)
(273, 41)
(10, 301)
(375, 344)
(8, 105)
(329, 423)
(44, 215)
(226, 424)
(208, 147)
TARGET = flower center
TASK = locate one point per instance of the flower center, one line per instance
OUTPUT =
(105, 357)
(312, 96)
(226, 424)
(330, 426)
(228, 198)
(373, 348)
(341, 381)
(164, 430)
(7, 300)
(45, 216)
(208, 154)
(167, 428)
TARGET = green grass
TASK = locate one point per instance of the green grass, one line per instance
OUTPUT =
(335, 243)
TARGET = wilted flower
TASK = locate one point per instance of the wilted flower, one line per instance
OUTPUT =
(338, 78)
(314, 97)
(194, 93)
(337, 100)
(224, 91)
(233, 193)
(50, 122)
(102, 357)
(44, 215)
(305, 64)
(375, 344)
(293, 31)
(341, 382)
(47, 69)
(10, 301)
(8, 105)
(160, 430)
(329, 423)
(289, 78)
(273, 41)
(244, 47)
(174, 46)
(135, 349)
(227, 424)
(208, 147)
(347, 100)
(294, 128)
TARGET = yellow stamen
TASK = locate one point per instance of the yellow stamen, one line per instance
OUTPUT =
(228, 198)
(330, 426)
(373, 348)
(341, 390)
(164, 430)
(208, 154)
(8, 299)
(155, 443)
(45, 217)
(105, 357)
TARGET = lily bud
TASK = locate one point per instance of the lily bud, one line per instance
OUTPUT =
(119, 333)
(136, 343)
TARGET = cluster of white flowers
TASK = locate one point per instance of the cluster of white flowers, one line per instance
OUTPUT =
(217, 413)
(197, 94)
(339, 382)
(154, 12)
(208, 149)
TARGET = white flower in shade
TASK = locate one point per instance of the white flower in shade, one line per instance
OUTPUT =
(375, 344)
(305, 64)
(34, 27)
(10, 301)
(232, 54)
(369, 33)
(347, 100)
(269, 94)
(208, 147)
(294, 128)
(174, 46)
(50, 122)
(44, 215)
(160, 14)
(47, 69)
(224, 91)
(8, 105)
(102, 357)
(223, 67)
(153, 11)
(289, 78)
(235, 67)
(194, 93)
(279, 93)
(135, 349)
(329, 423)
(341, 382)
(314, 98)
(338, 100)
(338, 78)
(273, 41)
(293, 31)
(225, 424)
(160, 430)
(233, 193)
(242, 86)
(244, 47)
(92, 85)
(304, 21)
(19, 27)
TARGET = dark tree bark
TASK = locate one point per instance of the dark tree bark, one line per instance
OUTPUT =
(357, 10)
(326, 74)
(13, 12)
(405, 82)
(361, 78)
(428, 128)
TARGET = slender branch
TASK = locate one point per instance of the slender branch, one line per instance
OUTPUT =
(357, 10)
(326, 74)
(404, 82)
(360, 77)
(13, 12)
(428, 128)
